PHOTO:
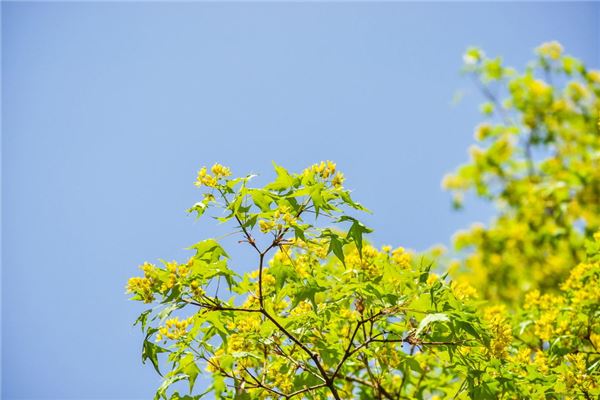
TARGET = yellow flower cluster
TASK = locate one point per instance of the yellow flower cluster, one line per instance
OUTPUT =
(175, 271)
(214, 363)
(432, 278)
(197, 291)
(219, 171)
(237, 342)
(326, 169)
(401, 257)
(268, 280)
(282, 217)
(577, 375)
(141, 287)
(173, 329)
(549, 308)
(483, 131)
(552, 50)
(594, 76)
(576, 91)
(454, 182)
(283, 382)
(501, 330)
(285, 213)
(366, 263)
(350, 315)
(582, 285)
(338, 180)
(463, 290)
(251, 323)
(266, 226)
(522, 358)
(302, 308)
(541, 362)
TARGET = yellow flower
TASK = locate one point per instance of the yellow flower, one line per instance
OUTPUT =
(401, 257)
(594, 76)
(483, 131)
(302, 308)
(552, 50)
(338, 180)
(432, 278)
(266, 226)
(220, 171)
(236, 343)
(173, 329)
(576, 91)
(501, 330)
(142, 287)
(462, 290)
(213, 364)
(207, 180)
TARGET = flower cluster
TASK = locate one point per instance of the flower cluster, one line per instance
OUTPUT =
(174, 329)
(205, 179)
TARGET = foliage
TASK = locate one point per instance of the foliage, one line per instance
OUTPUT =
(328, 315)
(538, 161)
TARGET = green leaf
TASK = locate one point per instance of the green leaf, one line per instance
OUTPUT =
(150, 351)
(188, 366)
(261, 199)
(336, 245)
(356, 231)
(143, 319)
(162, 390)
(283, 181)
(209, 250)
(430, 319)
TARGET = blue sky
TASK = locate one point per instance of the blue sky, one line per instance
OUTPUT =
(109, 109)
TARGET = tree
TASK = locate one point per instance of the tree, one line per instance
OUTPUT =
(326, 314)
(539, 164)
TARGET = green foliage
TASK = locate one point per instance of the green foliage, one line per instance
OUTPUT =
(328, 315)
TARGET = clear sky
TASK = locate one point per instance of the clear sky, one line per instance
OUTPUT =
(109, 109)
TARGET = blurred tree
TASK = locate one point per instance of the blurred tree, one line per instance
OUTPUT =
(538, 161)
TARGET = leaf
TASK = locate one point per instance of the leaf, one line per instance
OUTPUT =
(430, 319)
(150, 351)
(165, 312)
(188, 366)
(316, 197)
(468, 327)
(356, 232)
(162, 390)
(261, 200)
(209, 250)
(143, 319)
(337, 247)
(345, 196)
(283, 181)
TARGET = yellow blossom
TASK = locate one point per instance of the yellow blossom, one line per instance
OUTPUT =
(173, 329)
(462, 290)
(401, 257)
(501, 330)
(432, 278)
(141, 287)
(220, 171)
(266, 226)
(552, 50)
(302, 308)
(338, 180)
